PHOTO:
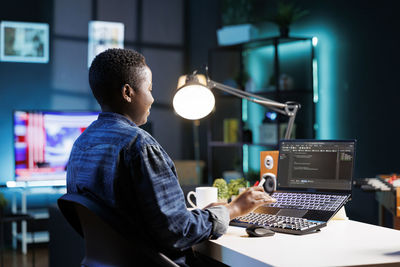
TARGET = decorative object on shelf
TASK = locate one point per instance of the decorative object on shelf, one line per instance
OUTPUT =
(236, 34)
(231, 130)
(236, 18)
(222, 186)
(286, 13)
(286, 82)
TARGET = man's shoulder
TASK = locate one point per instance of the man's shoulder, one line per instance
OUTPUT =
(143, 139)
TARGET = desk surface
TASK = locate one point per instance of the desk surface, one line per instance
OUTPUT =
(340, 243)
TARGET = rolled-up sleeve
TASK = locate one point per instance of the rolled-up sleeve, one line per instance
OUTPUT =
(220, 219)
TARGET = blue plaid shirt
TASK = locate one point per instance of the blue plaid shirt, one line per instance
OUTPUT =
(124, 168)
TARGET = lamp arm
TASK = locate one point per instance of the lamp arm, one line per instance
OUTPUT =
(292, 116)
(289, 108)
(246, 95)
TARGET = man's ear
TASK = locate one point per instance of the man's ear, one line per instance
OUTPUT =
(127, 93)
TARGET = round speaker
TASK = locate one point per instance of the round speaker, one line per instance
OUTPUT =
(269, 162)
(270, 182)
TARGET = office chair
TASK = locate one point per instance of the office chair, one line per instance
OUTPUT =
(104, 245)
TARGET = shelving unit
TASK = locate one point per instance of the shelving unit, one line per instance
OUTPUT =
(38, 214)
(281, 69)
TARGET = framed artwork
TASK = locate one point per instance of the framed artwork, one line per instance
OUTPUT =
(24, 42)
(104, 35)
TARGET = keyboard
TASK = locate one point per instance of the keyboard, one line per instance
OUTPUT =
(307, 201)
(282, 224)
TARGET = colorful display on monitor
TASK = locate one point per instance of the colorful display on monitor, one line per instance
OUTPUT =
(43, 142)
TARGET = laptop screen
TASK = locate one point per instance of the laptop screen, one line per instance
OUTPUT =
(316, 164)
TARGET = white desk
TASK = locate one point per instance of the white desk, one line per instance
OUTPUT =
(341, 243)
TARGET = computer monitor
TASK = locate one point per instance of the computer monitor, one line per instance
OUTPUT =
(43, 141)
(316, 164)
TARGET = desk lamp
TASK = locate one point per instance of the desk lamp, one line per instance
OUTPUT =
(194, 100)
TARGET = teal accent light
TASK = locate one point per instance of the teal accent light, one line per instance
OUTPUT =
(245, 158)
(314, 41)
(245, 147)
(259, 64)
(315, 80)
(244, 111)
(325, 82)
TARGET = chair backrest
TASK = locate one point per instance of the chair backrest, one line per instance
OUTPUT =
(104, 245)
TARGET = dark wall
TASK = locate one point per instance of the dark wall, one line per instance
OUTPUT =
(154, 27)
(366, 86)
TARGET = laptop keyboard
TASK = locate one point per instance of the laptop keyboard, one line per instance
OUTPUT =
(307, 201)
(282, 224)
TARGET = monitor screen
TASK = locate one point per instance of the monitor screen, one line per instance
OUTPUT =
(317, 164)
(43, 141)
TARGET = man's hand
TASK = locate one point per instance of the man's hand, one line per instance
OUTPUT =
(248, 201)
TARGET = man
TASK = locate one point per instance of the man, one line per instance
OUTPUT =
(123, 168)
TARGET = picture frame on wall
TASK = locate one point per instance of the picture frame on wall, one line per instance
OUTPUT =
(104, 35)
(24, 42)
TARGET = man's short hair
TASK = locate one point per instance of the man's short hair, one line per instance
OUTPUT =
(112, 69)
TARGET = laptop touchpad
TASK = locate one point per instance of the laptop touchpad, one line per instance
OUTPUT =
(292, 213)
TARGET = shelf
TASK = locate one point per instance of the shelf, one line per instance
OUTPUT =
(39, 214)
(262, 42)
(40, 237)
(263, 61)
(284, 92)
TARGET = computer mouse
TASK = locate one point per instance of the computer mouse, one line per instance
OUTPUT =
(259, 231)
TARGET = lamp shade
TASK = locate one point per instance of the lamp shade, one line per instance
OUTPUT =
(193, 100)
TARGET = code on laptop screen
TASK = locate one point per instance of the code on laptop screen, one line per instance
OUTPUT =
(316, 164)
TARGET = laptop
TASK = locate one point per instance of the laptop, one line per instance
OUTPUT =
(314, 179)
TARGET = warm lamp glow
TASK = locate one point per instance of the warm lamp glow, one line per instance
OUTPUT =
(198, 79)
(193, 101)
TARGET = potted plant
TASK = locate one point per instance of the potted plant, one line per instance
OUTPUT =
(286, 13)
(222, 186)
(234, 185)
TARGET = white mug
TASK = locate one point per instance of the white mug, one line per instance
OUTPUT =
(204, 196)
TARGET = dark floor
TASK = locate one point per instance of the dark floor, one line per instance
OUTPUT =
(14, 258)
